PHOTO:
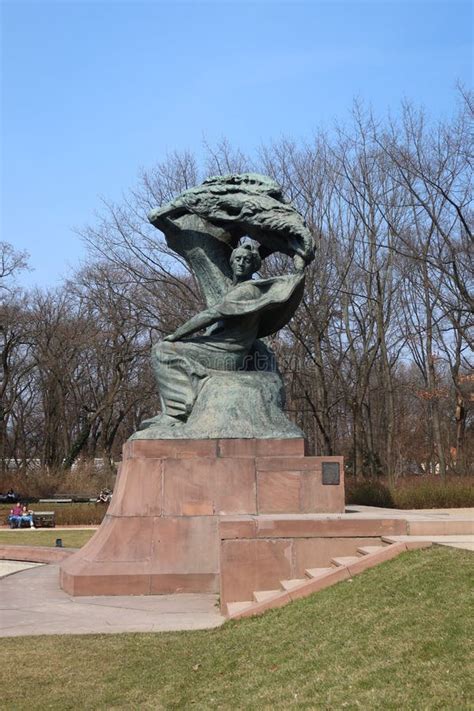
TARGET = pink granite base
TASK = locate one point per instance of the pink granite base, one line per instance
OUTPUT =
(161, 533)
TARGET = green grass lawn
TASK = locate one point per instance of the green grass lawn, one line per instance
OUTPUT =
(396, 637)
(46, 537)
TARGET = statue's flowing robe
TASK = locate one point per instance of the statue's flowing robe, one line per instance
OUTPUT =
(250, 310)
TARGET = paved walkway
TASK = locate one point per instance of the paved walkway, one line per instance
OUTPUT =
(31, 603)
(466, 542)
(7, 567)
(357, 510)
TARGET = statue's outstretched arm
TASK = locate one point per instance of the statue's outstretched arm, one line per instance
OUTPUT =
(196, 323)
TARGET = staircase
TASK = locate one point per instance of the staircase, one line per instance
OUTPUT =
(341, 568)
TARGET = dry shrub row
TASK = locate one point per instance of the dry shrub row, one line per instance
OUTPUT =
(79, 514)
(432, 493)
(83, 480)
(370, 492)
(411, 493)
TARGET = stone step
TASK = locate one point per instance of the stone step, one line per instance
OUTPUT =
(293, 583)
(263, 595)
(317, 572)
(367, 550)
(233, 608)
(344, 567)
(345, 560)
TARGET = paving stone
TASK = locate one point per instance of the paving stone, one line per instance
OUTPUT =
(32, 603)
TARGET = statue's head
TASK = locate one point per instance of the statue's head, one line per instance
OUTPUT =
(245, 261)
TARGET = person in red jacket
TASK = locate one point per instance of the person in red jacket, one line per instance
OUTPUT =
(15, 516)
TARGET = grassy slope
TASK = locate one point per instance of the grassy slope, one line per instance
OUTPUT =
(396, 637)
(46, 537)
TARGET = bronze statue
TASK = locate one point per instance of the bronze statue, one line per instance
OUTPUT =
(205, 225)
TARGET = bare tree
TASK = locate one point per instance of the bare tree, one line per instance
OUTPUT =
(377, 360)
(12, 262)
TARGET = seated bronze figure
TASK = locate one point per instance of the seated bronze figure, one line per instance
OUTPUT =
(205, 226)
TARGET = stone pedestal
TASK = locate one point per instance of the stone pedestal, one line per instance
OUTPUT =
(162, 531)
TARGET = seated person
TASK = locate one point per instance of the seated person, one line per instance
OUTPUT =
(26, 516)
(15, 516)
(11, 496)
(250, 310)
(104, 496)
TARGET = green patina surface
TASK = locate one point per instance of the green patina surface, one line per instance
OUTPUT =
(224, 382)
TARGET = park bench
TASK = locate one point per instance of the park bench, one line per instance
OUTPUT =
(41, 519)
(44, 519)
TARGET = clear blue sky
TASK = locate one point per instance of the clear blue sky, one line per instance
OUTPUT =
(93, 91)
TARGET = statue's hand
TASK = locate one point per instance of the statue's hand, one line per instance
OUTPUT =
(299, 263)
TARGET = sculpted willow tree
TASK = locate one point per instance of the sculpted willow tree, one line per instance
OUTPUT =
(225, 383)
